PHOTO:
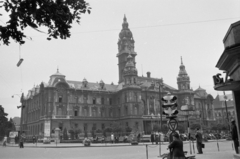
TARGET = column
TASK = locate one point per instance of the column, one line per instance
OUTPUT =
(236, 96)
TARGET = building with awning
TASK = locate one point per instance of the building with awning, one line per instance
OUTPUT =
(229, 63)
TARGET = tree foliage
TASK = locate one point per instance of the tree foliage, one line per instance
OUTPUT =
(5, 125)
(56, 15)
(195, 126)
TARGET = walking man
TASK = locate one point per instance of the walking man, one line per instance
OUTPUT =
(152, 137)
(5, 141)
(199, 141)
(112, 138)
(234, 135)
(22, 137)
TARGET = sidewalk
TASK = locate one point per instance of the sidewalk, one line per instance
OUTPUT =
(73, 145)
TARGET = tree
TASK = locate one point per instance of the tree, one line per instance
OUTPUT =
(5, 125)
(164, 128)
(56, 15)
(181, 128)
(195, 126)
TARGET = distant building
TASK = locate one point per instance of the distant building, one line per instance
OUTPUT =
(220, 108)
(88, 106)
(16, 121)
(204, 105)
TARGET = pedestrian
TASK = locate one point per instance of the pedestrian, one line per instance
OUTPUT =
(152, 138)
(138, 137)
(176, 148)
(112, 138)
(234, 135)
(156, 137)
(125, 138)
(21, 141)
(34, 139)
(199, 141)
(5, 141)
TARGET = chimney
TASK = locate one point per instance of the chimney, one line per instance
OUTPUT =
(149, 74)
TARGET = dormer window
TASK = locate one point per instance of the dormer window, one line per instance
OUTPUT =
(84, 82)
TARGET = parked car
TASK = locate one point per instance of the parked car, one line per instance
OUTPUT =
(145, 138)
(46, 141)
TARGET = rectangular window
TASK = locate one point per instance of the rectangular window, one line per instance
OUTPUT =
(103, 126)
(110, 101)
(102, 100)
(60, 99)
(94, 126)
(75, 113)
(136, 125)
(94, 101)
(76, 125)
(85, 127)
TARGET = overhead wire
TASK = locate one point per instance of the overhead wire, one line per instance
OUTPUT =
(150, 26)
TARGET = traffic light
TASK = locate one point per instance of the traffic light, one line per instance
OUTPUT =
(169, 104)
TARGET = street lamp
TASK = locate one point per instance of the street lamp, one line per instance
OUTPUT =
(21, 106)
(225, 101)
(152, 116)
(187, 109)
(160, 91)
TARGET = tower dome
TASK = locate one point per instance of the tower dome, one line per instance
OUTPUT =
(125, 33)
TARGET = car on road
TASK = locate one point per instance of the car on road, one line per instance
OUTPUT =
(46, 140)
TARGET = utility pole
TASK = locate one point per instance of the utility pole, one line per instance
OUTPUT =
(225, 101)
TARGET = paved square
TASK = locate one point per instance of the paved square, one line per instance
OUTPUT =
(112, 151)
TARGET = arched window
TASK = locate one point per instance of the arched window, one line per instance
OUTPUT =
(59, 111)
(135, 110)
(75, 112)
(85, 112)
(94, 100)
(119, 112)
(94, 112)
(134, 80)
(126, 110)
(110, 113)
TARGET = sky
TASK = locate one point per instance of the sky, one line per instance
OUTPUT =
(163, 30)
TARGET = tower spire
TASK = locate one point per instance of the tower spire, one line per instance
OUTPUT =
(125, 19)
(183, 79)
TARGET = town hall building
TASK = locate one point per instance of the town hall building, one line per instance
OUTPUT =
(132, 103)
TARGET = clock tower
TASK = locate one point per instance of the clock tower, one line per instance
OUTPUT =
(125, 48)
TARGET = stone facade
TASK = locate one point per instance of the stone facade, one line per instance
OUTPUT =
(133, 102)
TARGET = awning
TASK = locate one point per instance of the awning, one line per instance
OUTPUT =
(228, 86)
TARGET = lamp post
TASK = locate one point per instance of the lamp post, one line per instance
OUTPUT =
(225, 101)
(186, 109)
(22, 106)
(160, 91)
(152, 116)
